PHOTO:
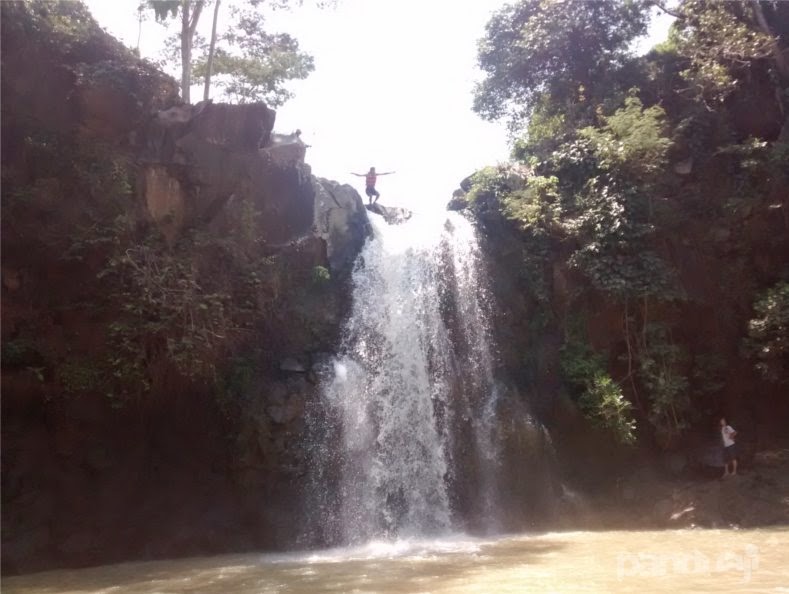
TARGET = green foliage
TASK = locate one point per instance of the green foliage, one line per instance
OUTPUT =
(596, 189)
(66, 26)
(624, 162)
(566, 51)
(166, 295)
(253, 65)
(320, 276)
(529, 202)
(179, 305)
(249, 63)
(717, 38)
(768, 333)
(536, 203)
(78, 376)
(621, 271)
(488, 182)
(165, 9)
(632, 141)
(546, 130)
(37, 372)
(660, 362)
(600, 397)
(580, 363)
(235, 381)
(127, 360)
(708, 374)
(604, 403)
(20, 352)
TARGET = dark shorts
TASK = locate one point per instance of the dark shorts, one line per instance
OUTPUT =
(371, 192)
(730, 453)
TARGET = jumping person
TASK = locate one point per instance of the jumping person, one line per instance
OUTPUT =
(370, 178)
(729, 448)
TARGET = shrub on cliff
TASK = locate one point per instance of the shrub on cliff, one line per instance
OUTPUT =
(600, 398)
(768, 333)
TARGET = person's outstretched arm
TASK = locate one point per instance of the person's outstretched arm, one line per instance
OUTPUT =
(358, 174)
(387, 173)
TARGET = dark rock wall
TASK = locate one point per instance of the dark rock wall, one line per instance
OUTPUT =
(93, 136)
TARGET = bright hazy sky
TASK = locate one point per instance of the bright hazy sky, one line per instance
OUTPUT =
(392, 88)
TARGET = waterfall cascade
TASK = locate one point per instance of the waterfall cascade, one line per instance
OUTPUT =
(405, 442)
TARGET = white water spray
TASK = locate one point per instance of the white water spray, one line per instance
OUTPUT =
(412, 390)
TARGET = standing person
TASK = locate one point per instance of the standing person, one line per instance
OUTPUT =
(729, 448)
(370, 178)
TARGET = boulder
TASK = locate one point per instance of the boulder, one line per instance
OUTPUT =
(286, 149)
(466, 183)
(341, 221)
(204, 164)
(244, 127)
(684, 167)
(287, 411)
(293, 365)
(394, 215)
(165, 201)
(459, 200)
(78, 543)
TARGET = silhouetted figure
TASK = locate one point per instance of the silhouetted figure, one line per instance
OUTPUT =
(729, 448)
(370, 178)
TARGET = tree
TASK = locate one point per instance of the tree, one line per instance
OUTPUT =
(768, 333)
(724, 40)
(211, 48)
(718, 38)
(567, 50)
(190, 15)
(251, 64)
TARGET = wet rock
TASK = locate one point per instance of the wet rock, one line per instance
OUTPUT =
(394, 215)
(662, 511)
(684, 167)
(99, 459)
(675, 462)
(284, 413)
(245, 127)
(467, 182)
(709, 455)
(286, 149)
(12, 279)
(293, 365)
(20, 547)
(165, 200)
(322, 366)
(341, 221)
(721, 235)
(459, 201)
(77, 543)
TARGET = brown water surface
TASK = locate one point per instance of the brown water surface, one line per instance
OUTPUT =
(667, 561)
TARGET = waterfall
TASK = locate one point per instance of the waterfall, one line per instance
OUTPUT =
(404, 441)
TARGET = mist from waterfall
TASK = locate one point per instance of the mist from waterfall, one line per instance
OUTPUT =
(406, 426)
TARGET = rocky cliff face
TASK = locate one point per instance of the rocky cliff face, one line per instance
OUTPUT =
(173, 281)
(719, 264)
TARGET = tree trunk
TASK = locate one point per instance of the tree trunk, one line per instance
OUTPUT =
(140, 8)
(781, 63)
(210, 63)
(784, 134)
(188, 27)
(186, 53)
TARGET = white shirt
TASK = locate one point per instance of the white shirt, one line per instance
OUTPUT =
(727, 435)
